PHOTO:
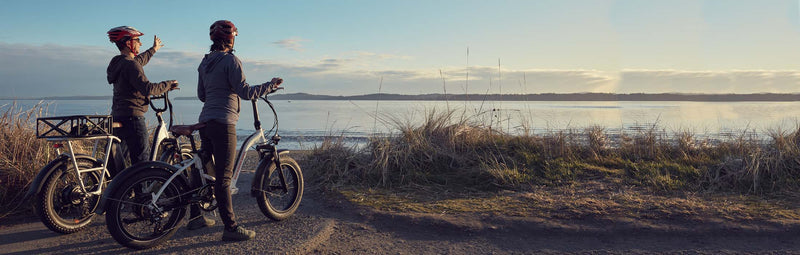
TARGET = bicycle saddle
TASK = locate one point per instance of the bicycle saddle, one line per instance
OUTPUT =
(186, 129)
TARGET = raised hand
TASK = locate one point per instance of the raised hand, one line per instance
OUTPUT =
(157, 43)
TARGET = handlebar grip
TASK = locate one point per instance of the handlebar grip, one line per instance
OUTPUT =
(273, 91)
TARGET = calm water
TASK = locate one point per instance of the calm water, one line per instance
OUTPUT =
(304, 123)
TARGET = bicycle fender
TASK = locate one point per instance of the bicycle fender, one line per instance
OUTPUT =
(259, 169)
(47, 170)
(126, 174)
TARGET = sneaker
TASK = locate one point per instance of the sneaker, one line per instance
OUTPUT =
(199, 222)
(237, 234)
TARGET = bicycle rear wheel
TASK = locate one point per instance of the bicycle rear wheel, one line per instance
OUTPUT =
(132, 219)
(274, 201)
(62, 205)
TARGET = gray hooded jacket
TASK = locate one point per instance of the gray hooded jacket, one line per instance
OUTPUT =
(220, 84)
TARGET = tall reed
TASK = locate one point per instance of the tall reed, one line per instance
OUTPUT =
(445, 150)
(21, 154)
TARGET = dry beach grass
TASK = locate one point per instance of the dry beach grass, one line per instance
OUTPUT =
(452, 164)
(21, 154)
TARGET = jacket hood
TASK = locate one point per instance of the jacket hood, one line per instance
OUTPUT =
(210, 61)
(114, 69)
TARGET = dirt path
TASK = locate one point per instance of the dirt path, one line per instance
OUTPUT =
(327, 225)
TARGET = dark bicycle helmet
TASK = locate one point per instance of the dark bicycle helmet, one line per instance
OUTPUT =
(122, 33)
(222, 30)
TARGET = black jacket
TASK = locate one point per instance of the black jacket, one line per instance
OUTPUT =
(131, 86)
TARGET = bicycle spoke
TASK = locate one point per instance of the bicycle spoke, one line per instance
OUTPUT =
(131, 221)
(157, 227)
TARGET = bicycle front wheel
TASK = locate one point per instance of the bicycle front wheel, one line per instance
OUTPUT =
(134, 220)
(276, 201)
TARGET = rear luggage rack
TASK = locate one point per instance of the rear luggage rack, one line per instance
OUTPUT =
(76, 126)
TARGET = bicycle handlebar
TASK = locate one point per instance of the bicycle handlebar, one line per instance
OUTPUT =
(167, 104)
(257, 122)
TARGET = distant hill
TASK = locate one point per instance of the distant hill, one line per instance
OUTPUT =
(59, 98)
(506, 97)
(550, 97)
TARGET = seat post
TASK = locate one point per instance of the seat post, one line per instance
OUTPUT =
(191, 141)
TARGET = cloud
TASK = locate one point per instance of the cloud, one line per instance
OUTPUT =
(171, 58)
(293, 44)
(53, 70)
(57, 70)
(732, 81)
(485, 79)
(379, 56)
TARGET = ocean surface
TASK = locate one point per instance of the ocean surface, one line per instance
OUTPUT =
(305, 123)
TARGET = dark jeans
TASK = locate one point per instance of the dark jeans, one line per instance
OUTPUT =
(219, 139)
(133, 134)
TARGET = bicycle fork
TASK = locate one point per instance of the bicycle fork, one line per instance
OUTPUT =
(277, 160)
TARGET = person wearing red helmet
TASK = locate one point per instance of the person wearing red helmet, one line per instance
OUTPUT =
(132, 88)
(220, 85)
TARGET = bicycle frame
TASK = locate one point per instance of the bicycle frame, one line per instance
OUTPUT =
(256, 138)
(102, 169)
(251, 143)
(160, 134)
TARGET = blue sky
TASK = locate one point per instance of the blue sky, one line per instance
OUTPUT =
(59, 48)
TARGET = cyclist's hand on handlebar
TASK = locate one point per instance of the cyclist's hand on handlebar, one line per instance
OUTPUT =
(276, 82)
(173, 85)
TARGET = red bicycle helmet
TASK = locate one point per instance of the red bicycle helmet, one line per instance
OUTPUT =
(223, 30)
(119, 33)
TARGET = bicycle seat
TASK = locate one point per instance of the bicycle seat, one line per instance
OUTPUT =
(186, 129)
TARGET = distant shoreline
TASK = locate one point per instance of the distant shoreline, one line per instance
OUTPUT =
(765, 97)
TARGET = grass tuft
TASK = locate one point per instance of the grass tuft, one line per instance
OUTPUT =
(453, 152)
(21, 154)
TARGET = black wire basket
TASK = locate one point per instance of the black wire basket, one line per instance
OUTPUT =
(76, 126)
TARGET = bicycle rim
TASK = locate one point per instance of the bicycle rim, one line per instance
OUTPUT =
(142, 222)
(279, 199)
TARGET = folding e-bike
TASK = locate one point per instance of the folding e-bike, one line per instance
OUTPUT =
(145, 204)
(66, 190)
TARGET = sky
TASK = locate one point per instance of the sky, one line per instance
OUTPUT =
(346, 47)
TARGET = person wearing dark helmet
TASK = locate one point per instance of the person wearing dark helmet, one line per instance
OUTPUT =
(220, 86)
(132, 88)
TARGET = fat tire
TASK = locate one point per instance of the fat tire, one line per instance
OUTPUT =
(113, 219)
(263, 197)
(45, 199)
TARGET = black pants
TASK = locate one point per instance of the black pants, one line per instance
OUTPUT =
(134, 143)
(133, 134)
(219, 139)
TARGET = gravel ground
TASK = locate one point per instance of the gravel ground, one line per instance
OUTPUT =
(327, 224)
